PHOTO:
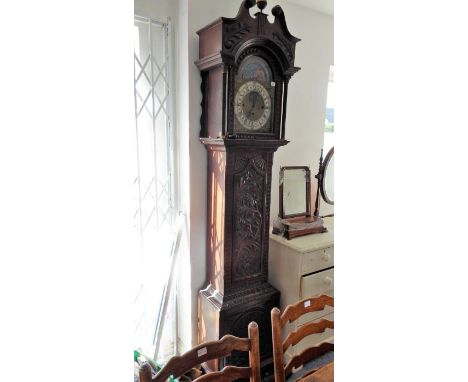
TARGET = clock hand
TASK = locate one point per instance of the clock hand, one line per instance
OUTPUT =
(253, 100)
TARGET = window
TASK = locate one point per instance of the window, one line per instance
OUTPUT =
(155, 196)
(329, 141)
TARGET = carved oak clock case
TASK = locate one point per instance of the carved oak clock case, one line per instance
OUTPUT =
(246, 63)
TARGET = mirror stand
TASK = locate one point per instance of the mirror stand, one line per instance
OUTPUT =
(295, 218)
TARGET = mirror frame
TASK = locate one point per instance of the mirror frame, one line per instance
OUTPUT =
(281, 192)
(323, 174)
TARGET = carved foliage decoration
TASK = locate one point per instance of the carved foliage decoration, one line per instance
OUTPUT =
(249, 179)
(285, 46)
(243, 27)
(235, 34)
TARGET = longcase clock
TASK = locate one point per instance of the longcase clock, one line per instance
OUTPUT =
(246, 63)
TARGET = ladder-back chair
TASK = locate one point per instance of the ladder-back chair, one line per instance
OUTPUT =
(291, 314)
(179, 365)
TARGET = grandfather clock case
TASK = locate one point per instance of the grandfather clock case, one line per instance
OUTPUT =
(246, 63)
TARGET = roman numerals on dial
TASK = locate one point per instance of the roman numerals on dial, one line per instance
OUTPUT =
(252, 105)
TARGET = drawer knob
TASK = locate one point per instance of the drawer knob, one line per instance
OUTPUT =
(328, 281)
(326, 257)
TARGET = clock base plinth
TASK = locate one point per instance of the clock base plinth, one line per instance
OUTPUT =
(230, 314)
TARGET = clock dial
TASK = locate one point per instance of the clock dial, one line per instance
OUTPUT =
(253, 106)
(253, 101)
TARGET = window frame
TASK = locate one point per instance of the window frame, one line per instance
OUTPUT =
(171, 158)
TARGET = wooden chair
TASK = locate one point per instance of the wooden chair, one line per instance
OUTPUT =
(323, 374)
(291, 314)
(179, 365)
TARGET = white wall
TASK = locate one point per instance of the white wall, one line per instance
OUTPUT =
(306, 111)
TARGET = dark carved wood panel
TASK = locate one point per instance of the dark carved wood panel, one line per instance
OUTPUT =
(249, 212)
(234, 34)
(248, 306)
(240, 324)
(245, 28)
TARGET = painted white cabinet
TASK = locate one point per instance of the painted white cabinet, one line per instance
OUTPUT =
(301, 268)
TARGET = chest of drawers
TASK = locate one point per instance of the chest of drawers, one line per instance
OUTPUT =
(301, 268)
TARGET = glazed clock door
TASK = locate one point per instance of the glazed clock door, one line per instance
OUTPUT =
(254, 97)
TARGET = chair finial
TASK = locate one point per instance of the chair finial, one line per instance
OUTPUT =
(145, 373)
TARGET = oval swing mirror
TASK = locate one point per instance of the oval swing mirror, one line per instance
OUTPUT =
(326, 174)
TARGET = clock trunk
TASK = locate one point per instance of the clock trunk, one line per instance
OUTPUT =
(237, 290)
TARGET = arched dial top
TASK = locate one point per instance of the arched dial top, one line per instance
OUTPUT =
(254, 68)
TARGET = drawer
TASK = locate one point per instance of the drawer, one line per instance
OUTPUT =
(316, 284)
(313, 286)
(317, 260)
(315, 339)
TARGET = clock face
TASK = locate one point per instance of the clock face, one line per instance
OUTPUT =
(253, 106)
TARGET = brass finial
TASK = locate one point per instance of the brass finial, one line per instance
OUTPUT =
(261, 4)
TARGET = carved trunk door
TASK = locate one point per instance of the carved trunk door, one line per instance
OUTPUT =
(251, 180)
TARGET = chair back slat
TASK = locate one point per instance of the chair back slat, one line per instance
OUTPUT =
(179, 365)
(306, 356)
(293, 312)
(295, 337)
(228, 374)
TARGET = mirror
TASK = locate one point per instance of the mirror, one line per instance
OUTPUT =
(294, 191)
(327, 177)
